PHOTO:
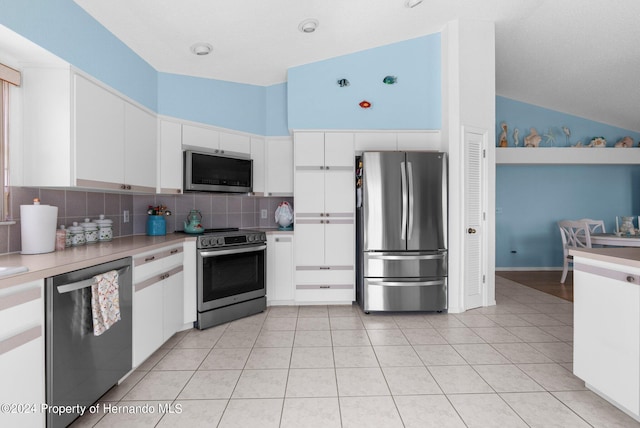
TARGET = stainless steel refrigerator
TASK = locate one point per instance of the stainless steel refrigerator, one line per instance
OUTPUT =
(402, 231)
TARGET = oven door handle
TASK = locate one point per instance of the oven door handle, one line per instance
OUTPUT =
(252, 249)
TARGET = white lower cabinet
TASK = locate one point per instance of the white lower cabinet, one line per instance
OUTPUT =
(157, 299)
(280, 269)
(22, 355)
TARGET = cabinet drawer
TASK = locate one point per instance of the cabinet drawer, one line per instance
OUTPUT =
(155, 262)
(317, 275)
(21, 308)
(325, 295)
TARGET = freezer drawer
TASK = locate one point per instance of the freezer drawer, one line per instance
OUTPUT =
(408, 264)
(394, 294)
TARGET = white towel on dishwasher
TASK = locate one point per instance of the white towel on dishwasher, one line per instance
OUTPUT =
(105, 301)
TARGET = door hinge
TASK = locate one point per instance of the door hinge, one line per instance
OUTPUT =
(484, 153)
(484, 216)
(484, 277)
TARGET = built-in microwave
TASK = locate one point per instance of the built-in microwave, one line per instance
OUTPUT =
(217, 171)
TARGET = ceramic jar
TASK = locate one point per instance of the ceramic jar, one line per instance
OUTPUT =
(77, 235)
(90, 231)
(105, 228)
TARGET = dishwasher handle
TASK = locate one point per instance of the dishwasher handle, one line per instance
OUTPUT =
(67, 288)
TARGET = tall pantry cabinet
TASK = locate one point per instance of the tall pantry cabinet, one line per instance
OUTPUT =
(324, 194)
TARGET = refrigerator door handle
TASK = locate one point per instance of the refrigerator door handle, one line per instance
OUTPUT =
(410, 192)
(406, 283)
(406, 257)
(403, 181)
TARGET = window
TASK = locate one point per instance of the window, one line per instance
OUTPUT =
(8, 76)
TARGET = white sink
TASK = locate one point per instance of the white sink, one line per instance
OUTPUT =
(5, 271)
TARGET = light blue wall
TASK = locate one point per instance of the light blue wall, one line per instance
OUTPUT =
(530, 199)
(277, 110)
(66, 30)
(227, 104)
(315, 101)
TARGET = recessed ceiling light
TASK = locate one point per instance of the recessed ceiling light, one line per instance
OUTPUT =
(412, 3)
(201, 49)
(308, 25)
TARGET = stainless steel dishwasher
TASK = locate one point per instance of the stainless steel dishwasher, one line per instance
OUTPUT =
(80, 367)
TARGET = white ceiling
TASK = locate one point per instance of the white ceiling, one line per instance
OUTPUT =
(577, 56)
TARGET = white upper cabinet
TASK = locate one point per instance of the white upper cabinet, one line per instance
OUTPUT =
(200, 136)
(235, 143)
(99, 119)
(279, 166)
(425, 140)
(309, 150)
(215, 140)
(80, 134)
(338, 150)
(375, 141)
(140, 147)
(258, 157)
(170, 165)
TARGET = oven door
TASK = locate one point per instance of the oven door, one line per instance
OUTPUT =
(230, 275)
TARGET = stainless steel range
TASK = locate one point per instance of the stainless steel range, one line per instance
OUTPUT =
(231, 275)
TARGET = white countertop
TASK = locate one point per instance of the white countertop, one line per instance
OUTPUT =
(73, 258)
(625, 256)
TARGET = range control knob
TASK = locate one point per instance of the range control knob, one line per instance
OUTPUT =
(250, 238)
(220, 241)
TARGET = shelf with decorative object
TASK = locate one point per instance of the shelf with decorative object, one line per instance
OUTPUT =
(567, 155)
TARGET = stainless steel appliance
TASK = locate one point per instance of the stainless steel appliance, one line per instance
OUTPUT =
(231, 275)
(81, 367)
(217, 171)
(402, 232)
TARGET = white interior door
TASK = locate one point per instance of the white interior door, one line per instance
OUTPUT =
(474, 202)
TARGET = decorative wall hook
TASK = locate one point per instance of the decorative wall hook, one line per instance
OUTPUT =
(343, 82)
(365, 104)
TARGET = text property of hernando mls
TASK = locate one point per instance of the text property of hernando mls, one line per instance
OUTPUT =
(77, 409)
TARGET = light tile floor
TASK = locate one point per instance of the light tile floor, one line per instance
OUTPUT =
(333, 366)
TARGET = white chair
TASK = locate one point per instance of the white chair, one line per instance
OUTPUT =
(595, 226)
(574, 234)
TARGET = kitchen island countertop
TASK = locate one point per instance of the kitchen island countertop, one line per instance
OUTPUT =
(73, 258)
(626, 256)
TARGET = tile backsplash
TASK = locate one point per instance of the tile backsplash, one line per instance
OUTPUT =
(218, 210)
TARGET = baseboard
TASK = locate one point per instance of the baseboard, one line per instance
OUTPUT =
(516, 269)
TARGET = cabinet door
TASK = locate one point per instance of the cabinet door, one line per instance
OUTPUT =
(170, 171)
(235, 143)
(309, 242)
(279, 166)
(419, 141)
(148, 325)
(99, 125)
(338, 150)
(258, 157)
(198, 136)
(280, 268)
(375, 141)
(309, 149)
(22, 353)
(141, 150)
(309, 193)
(339, 237)
(173, 304)
(339, 193)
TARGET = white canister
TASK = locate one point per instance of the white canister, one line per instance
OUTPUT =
(77, 235)
(105, 228)
(38, 228)
(90, 231)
